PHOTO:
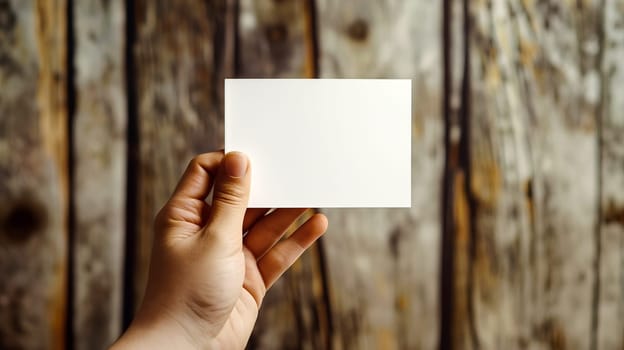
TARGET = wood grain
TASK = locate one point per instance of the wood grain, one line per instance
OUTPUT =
(383, 263)
(183, 51)
(274, 42)
(456, 209)
(99, 172)
(33, 174)
(533, 251)
(534, 103)
(272, 39)
(609, 320)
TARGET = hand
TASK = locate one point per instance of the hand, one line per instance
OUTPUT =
(206, 281)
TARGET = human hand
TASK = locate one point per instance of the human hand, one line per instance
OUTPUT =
(206, 281)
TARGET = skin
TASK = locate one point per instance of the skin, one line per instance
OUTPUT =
(207, 281)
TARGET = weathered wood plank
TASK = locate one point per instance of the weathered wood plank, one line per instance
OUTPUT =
(275, 40)
(272, 39)
(294, 314)
(33, 174)
(535, 100)
(99, 172)
(183, 51)
(383, 263)
(610, 303)
(456, 215)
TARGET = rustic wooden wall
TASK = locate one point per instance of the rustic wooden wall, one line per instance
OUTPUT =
(34, 172)
(99, 125)
(515, 238)
(386, 296)
(538, 244)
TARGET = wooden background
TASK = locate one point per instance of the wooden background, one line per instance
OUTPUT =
(516, 234)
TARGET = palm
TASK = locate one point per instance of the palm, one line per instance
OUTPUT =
(239, 325)
(264, 261)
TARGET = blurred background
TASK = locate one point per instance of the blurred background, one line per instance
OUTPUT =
(515, 239)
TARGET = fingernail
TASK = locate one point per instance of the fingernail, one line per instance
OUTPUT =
(235, 164)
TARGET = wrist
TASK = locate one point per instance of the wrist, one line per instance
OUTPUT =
(161, 331)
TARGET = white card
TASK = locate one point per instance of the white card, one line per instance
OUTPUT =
(322, 142)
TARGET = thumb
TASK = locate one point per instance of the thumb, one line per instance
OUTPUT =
(231, 193)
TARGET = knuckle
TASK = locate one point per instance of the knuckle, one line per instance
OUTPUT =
(162, 216)
(200, 160)
(230, 195)
(278, 258)
(162, 220)
(210, 232)
(194, 162)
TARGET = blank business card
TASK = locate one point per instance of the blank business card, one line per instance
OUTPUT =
(322, 142)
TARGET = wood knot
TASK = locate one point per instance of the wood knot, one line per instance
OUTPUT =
(551, 332)
(528, 189)
(613, 213)
(23, 219)
(358, 30)
(394, 240)
(7, 16)
(277, 32)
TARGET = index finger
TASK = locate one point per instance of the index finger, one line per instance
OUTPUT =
(198, 177)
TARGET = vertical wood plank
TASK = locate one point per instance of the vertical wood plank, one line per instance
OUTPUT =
(456, 213)
(610, 313)
(383, 263)
(99, 172)
(535, 101)
(183, 51)
(275, 42)
(272, 39)
(33, 174)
